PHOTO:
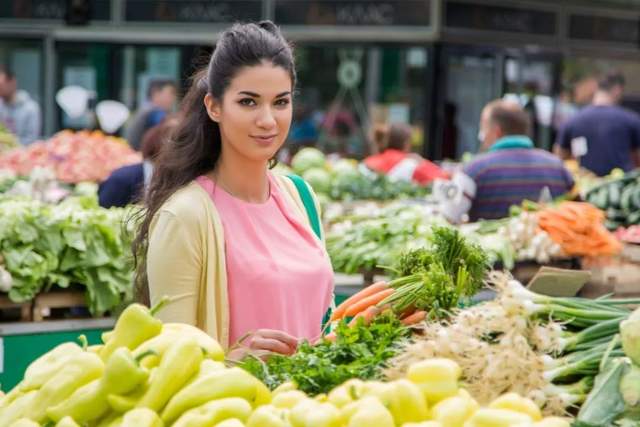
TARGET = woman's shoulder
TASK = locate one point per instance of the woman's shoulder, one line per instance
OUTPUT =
(188, 203)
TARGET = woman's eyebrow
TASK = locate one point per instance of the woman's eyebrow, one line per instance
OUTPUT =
(255, 95)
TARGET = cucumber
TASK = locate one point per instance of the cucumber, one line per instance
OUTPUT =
(625, 198)
(601, 198)
(634, 218)
(635, 198)
(614, 194)
(612, 225)
(616, 215)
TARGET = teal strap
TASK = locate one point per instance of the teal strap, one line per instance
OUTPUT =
(308, 202)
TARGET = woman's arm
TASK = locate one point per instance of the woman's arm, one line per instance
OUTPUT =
(174, 268)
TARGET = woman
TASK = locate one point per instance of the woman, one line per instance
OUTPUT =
(235, 240)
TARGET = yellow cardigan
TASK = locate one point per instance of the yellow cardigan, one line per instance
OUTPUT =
(186, 256)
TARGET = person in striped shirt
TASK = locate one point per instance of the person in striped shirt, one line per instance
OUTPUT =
(511, 170)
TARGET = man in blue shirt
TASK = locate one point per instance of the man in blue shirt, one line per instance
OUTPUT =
(603, 136)
(162, 97)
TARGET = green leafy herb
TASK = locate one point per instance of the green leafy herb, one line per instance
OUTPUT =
(359, 351)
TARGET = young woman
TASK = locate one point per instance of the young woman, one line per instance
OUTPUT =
(236, 240)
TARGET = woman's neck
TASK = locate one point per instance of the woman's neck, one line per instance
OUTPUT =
(244, 180)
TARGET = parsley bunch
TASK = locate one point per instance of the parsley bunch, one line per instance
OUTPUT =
(359, 351)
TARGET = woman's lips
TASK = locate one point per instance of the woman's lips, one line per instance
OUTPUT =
(264, 139)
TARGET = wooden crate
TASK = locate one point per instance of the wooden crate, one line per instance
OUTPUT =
(619, 275)
(14, 311)
(46, 302)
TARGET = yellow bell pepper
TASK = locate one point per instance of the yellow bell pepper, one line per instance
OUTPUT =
(437, 378)
(404, 399)
(263, 394)
(298, 414)
(286, 386)
(370, 413)
(268, 416)
(46, 366)
(425, 424)
(212, 348)
(78, 371)
(141, 417)
(24, 422)
(234, 382)
(135, 325)
(489, 417)
(453, 411)
(288, 399)
(231, 422)
(215, 411)
(346, 393)
(515, 402)
(67, 422)
(18, 408)
(122, 374)
(110, 420)
(179, 364)
(319, 415)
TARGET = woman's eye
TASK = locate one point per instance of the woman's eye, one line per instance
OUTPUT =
(247, 102)
(282, 102)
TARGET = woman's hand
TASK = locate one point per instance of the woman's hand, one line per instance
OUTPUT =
(264, 342)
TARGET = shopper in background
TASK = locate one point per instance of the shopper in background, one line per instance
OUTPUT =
(512, 170)
(161, 97)
(239, 245)
(603, 136)
(18, 111)
(127, 184)
(397, 162)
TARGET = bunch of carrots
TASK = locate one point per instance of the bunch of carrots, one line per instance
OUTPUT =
(579, 229)
(369, 302)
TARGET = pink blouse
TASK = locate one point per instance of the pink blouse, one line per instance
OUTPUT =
(278, 273)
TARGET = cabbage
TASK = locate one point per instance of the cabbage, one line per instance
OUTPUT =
(344, 167)
(308, 158)
(318, 179)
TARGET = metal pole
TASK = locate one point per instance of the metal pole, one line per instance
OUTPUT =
(50, 82)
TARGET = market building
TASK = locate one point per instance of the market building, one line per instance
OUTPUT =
(430, 63)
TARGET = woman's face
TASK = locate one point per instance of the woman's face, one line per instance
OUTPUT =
(255, 112)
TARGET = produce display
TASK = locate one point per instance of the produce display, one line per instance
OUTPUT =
(579, 229)
(359, 243)
(629, 235)
(8, 140)
(345, 180)
(620, 199)
(75, 242)
(75, 157)
(149, 374)
(41, 184)
(547, 349)
(430, 281)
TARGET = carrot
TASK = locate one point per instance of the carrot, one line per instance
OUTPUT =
(331, 336)
(366, 292)
(365, 303)
(416, 317)
(366, 315)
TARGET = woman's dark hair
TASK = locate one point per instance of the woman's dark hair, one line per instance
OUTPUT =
(195, 144)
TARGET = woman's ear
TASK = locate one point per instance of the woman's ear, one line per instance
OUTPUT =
(213, 107)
